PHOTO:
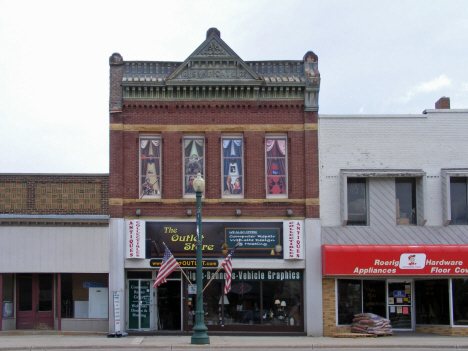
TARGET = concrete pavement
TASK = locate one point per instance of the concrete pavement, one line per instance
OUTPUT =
(15, 340)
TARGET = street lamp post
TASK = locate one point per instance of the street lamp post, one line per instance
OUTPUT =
(200, 337)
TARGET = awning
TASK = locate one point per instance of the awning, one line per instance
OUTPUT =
(385, 260)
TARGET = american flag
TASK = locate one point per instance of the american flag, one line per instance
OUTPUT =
(169, 265)
(227, 264)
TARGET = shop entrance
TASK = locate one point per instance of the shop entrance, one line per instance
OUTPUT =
(169, 305)
(400, 300)
(141, 305)
(34, 306)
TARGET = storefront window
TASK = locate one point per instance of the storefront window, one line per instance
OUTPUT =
(349, 300)
(432, 302)
(75, 292)
(281, 303)
(7, 303)
(244, 303)
(374, 297)
(275, 303)
(460, 301)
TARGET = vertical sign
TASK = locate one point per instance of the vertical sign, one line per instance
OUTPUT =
(293, 240)
(136, 239)
(117, 326)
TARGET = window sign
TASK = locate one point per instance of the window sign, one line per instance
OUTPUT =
(233, 183)
(150, 167)
(193, 161)
(276, 166)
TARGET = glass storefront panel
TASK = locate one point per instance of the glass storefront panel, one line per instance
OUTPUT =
(374, 297)
(7, 292)
(251, 301)
(400, 305)
(75, 292)
(349, 300)
(244, 303)
(460, 301)
(432, 302)
(25, 289)
(282, 303)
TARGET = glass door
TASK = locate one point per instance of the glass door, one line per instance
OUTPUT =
(140, 303)
(400, 299)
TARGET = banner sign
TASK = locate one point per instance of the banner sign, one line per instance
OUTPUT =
(117, 326)
(135, 239)
(293, 240)
(358, 260)
(256, 239)
(186, 263)
(251, 275)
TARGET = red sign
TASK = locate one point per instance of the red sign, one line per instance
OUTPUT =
(358, 260)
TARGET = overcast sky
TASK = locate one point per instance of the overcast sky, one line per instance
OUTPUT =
(375, 57)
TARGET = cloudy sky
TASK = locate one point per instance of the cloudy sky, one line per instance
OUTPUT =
(375, 57)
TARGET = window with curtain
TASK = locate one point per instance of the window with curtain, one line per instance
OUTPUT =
(232, 153)
(194, 152)
(276, 166)
(150, 167)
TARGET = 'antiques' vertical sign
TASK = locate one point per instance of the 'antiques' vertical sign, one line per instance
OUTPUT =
(136, 239)
(293, 242)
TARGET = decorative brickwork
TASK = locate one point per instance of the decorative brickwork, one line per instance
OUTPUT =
(178, 99)
(68, 196)
(13, 196)
(47, 194)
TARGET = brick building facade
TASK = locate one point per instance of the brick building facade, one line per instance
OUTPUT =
(250, 129)
(54, 231)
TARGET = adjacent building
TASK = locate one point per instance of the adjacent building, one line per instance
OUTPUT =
(393, 191)
(54, 262)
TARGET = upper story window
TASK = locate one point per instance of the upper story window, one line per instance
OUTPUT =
(405, 190)
(194, 156)
(458, 201)
(150, 167)
(357, 202)
(232, 163)
(276, 166)
(455, 196)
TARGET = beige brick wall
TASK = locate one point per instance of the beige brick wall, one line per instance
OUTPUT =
(447, 331)
(329, 309)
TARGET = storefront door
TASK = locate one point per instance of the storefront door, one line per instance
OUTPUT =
(140, 304)
(34, 298)
(400, 300)
(169, 305)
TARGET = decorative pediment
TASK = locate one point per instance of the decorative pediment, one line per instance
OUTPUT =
(213, 62)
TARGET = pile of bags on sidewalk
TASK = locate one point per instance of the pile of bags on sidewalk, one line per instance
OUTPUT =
(369, 323)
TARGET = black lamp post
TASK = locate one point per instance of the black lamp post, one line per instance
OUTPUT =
(200, 337)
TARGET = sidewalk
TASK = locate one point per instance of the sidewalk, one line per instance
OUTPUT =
(55, 340)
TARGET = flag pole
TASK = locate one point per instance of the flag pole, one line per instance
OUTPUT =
(219, 268)
(185, 275)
